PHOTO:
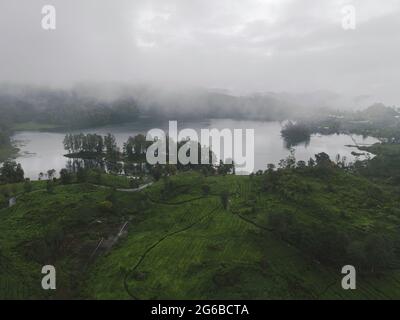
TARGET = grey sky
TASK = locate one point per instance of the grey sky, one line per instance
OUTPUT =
(241, 45)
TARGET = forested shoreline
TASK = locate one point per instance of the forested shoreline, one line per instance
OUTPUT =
(378, 121)
(7, 149)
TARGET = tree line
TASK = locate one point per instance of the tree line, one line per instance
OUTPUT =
(11, 172)
(90, 143)
(105, 145)
(102, 152)
(63, 108)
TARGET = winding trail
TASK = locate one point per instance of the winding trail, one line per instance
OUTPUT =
(123, 189)
(154, 245)
(136, 189)
(254, 223)
(174, 203)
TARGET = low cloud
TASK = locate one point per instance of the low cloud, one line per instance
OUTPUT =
(243, 46)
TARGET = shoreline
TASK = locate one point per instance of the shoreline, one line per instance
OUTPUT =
(9, 153)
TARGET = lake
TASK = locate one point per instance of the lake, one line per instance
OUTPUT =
(41, 151)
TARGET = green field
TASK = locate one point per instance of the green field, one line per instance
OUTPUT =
(181, 243)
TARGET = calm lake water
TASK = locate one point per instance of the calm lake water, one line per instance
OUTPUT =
(41, 151)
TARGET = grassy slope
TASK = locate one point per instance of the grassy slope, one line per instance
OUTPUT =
(191, 250)
(224, 256)
(69, 217)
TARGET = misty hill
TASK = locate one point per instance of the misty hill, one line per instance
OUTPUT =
(99, 105)
(62, 108)
(96, 105)
(379, 113)
(195, 103)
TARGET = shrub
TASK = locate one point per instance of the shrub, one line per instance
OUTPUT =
(133, 183)
(105, 206)
(50, 186)
(205, 188)
(81, 175)
(225, 200)
(27, 186)
(65, 176)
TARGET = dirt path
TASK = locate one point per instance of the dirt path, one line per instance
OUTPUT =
(123, 189)
(136, 189)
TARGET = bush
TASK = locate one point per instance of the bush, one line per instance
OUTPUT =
(281, 222)
(157, 172)
(3, 201)
(225, 200)
(133, 183)
(81, 175)
(50, 186)
(105, 206)
(65, 176)
(27, 186)
(205, 188)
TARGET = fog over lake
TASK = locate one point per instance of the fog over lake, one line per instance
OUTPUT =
(41, 151)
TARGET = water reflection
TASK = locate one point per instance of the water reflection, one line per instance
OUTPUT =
(41, 151)
(293, 142)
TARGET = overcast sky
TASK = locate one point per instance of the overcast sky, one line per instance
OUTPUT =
(240, 45)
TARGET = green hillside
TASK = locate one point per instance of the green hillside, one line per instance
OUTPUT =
(195, 237)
